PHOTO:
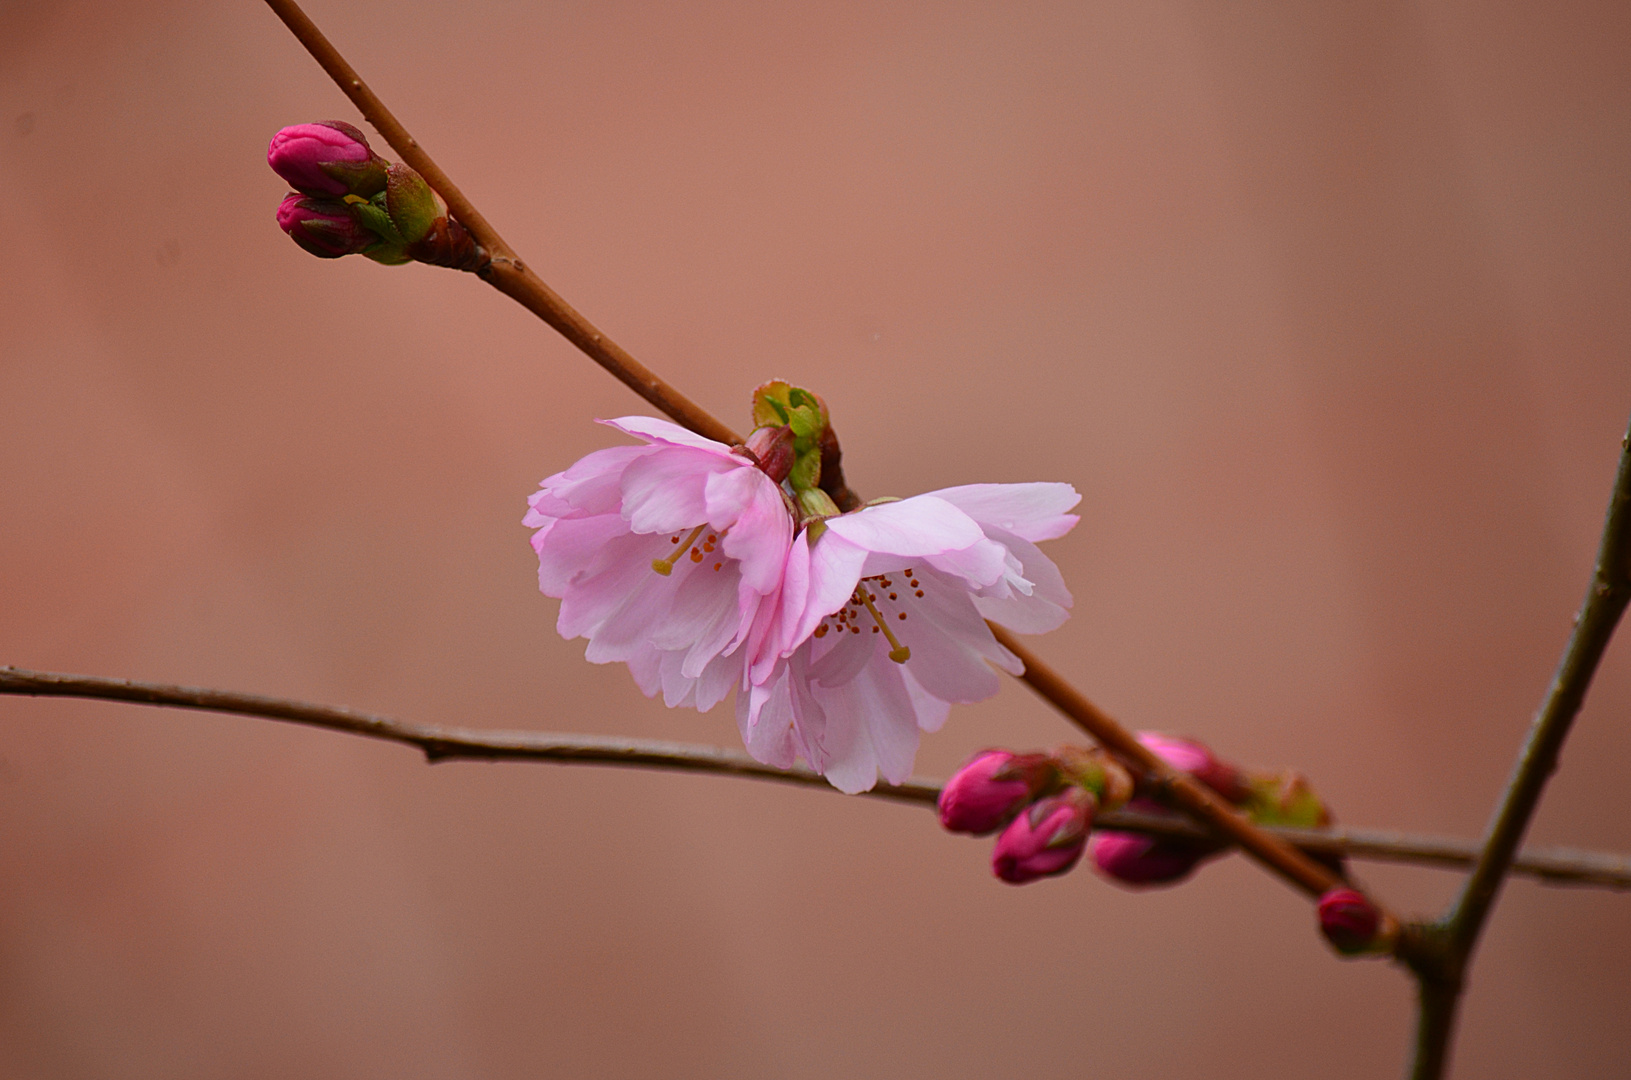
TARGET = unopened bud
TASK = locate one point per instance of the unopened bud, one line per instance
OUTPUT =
(1197, 759)
(1095, 770)
(1351, 923)
(323, 227)
(330, 158)
(1047, 838)
(985, 794)
(772, 448)
(1140, 861)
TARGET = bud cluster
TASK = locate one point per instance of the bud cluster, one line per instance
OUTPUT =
(1044, 805)
(350, 201)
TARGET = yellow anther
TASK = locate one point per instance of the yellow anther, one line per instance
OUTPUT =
(666, 566)
(900, 653)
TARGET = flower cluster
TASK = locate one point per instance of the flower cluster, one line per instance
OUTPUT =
(710, 568)
(1036, 800)
(350, 201)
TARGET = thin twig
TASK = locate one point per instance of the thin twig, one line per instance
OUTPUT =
(1442, 968)
(506, 273)
(449, 744)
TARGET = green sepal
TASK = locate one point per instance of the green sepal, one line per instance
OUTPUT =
(365, 179)
(389, 254)
(372, 216)
(1284, 799)
(805, 475)
(815, 503)
(411, 203)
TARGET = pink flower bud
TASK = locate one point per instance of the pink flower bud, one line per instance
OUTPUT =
(330, 158)
(323, 227)
(1349, 921)
(1046, 839)
(772, 448)
(1197, 759)
(1138, 861)
(983, 795)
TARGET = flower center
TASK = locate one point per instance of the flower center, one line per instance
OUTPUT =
(689, 547)
(865, 598)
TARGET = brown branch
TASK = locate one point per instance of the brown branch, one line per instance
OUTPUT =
(1180, 788)
(1442, 967)
(449, 744)
(506, 273)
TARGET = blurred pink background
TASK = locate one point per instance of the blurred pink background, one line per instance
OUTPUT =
(1323, 310)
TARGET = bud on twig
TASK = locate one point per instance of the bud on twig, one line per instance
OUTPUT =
(1097, 772)
(403, 218)
(1352, 925)
(330, 158)
(1046, 839)
(1140, 861)
(323, 227)
(985, 794)
(1197, 759)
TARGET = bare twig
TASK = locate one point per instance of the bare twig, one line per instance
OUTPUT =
(449, 743)
(1442, 966)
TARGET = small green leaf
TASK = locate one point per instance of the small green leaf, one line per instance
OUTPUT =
(768, 404)
(806, 472)
(817, 503)
(377, 221)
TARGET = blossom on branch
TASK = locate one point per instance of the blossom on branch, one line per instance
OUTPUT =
(662, 555)
(880, 624)
(706, 567)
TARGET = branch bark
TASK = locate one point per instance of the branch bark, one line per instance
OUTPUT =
(1441, 969)
(1179, 787)
(510, 276)
(457, 743)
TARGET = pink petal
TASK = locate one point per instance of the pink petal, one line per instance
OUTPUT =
(891, 719)
(922, 525)
(835, 568)
(664, 491)
(747, 502)
(653, 430)
(567, 549)
(1047, 605)
(591, 485)
(1033, 511)
(931, 711)
(764, 715)
(622, 565)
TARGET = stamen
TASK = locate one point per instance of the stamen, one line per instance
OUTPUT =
(666, 566)
(899, 653)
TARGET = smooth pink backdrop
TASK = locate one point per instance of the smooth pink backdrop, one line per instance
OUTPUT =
(1322, 309)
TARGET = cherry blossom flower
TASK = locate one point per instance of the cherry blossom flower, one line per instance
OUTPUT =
(662, 555)
(879, 625)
